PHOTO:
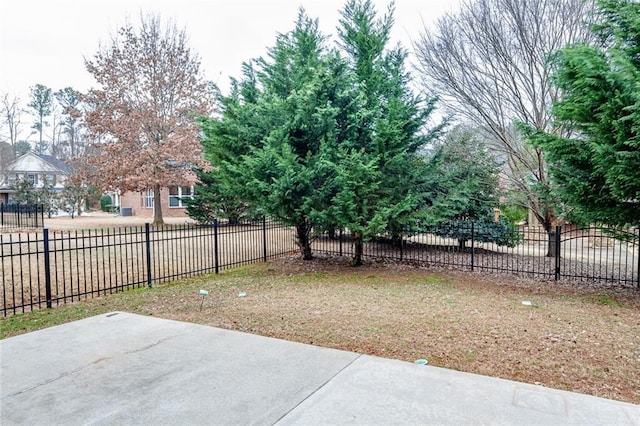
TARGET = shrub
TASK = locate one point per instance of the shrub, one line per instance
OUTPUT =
(105, 203)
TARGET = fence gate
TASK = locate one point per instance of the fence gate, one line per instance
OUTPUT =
(600, 254)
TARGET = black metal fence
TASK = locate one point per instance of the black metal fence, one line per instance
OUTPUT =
(47, 268)
(583, 254)
(21, 215)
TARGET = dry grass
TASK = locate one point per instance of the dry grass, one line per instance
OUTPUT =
(574, 338)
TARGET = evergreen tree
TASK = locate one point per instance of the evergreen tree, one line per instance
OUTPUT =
(268, 142)
(462, 178)
(461, 187)
(596, 171)
(25, 192)
(214, 198)
(387, 130)
(40, 107)
(222, 191)
(316, 139)
(47, 197)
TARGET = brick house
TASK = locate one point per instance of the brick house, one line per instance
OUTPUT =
(141, 203)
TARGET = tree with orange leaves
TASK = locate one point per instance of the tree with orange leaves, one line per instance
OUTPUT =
(151, 90)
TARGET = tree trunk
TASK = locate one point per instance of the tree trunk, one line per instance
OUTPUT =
(551, 248)
(332, 233)
(358, 245)
(157, 206)
(547, 218)
(303, 230)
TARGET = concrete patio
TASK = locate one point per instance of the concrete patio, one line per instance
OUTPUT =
(121, 369)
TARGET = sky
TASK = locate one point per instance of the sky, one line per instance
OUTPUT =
(46, 41)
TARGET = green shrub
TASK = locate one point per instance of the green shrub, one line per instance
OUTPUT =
(514, 214)
(485, 230)
(105, 203)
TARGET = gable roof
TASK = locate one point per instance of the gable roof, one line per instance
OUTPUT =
(37, 163)
(56, 162)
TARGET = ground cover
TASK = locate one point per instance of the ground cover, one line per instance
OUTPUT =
(579, 338)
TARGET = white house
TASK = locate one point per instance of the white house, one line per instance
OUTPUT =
(39, 168)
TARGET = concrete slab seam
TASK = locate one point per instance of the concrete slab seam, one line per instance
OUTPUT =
(318, 389)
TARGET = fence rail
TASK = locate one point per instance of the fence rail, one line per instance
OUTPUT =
(47, 268)
(43, 269)
(21, 215)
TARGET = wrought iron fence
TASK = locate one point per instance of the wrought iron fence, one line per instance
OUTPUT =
(43, 269)
(583, 254)
(21, 215)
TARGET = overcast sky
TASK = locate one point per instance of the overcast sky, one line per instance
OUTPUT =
(46, 41)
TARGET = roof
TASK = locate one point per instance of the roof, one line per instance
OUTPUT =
(62, 165)
(34, 163)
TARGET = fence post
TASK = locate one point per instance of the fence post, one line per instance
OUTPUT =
(147, 233)
(340, 241)
(638, 269)
(216, 263)
(473, 245)
(264, 238)
(557, 251)
(47, 266)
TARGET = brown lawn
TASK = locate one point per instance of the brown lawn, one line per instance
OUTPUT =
(572, 336)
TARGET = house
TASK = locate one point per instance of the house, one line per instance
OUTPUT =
(39, 168)
(141, 203)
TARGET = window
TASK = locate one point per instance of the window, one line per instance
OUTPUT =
(148, 199)
(177, 193)
(33, 178)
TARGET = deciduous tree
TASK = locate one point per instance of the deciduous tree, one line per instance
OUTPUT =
(489, 65)
(11, 120)
(151, 90)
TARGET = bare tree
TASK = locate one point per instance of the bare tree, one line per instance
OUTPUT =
(151, 92)
(489, 63)
(11, 119)
(55, 135)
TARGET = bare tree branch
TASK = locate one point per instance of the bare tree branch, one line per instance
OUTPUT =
(489, 65)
